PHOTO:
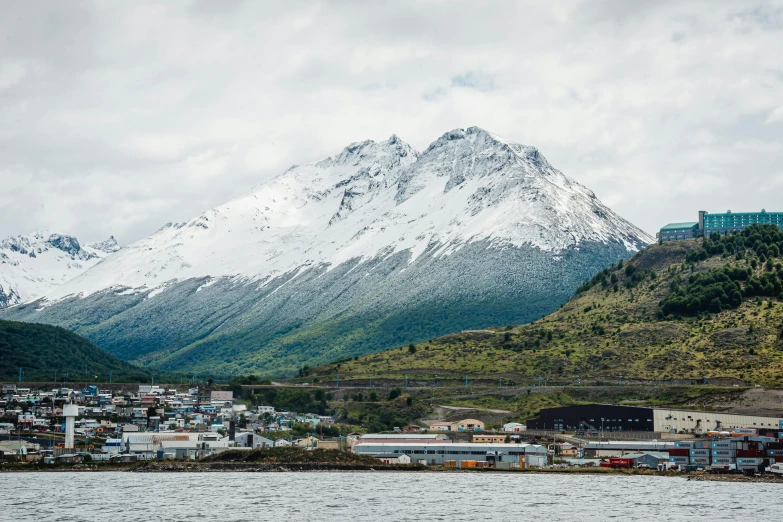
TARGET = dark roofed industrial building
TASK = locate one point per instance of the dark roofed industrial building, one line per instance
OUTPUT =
(613, 418)
(594, 417)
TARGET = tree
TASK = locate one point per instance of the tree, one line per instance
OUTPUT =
(412, 348)
(409, 401)
(373, 397)
(151, 411)
(394, 393)
(242, 421)
(715, 306)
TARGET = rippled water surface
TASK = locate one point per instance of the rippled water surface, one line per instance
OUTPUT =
(377, 496)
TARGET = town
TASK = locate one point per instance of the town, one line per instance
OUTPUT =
(65, 426)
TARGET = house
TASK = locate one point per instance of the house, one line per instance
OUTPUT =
(281, 443)
(468, 425)
(251, 440)
(648, 458)
(225, 398)
(412, 428)
(393, 458)
(567, 450)
(308, 442)
(441, 426)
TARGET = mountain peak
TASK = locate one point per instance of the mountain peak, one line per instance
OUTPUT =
(34, 264)
(375, 246)
(108, 245)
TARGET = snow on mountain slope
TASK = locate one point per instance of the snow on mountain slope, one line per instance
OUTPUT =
(373, 199)
(32, 265)
(376, 247)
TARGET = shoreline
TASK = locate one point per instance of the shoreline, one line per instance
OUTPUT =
(228, 467)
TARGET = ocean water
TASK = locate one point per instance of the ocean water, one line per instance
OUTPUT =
(353, 496)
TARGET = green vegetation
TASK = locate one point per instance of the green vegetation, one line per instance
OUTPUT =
(286, 399)
(756, 273)
(673, 312)
(41, 350)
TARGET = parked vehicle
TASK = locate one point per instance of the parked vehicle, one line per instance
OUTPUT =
(776, 468)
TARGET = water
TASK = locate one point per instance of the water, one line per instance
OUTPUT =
(377, 496)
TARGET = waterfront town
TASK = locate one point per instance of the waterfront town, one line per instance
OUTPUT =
(63, 426)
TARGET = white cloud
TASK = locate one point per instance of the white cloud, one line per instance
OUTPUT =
(776, 115)
(117, 118)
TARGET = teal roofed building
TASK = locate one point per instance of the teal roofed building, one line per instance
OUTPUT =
(722, 223)
(735, 221)
(679, 231)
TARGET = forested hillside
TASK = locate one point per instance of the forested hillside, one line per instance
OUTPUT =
(682, 310)
(41, 350)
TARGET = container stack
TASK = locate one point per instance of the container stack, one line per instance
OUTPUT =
(775, 452)
(746, 449)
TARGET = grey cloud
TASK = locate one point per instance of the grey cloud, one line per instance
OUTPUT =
(116, 118)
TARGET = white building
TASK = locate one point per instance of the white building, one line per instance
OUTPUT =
(514, 427)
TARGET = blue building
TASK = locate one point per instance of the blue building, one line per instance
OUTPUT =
(736, 221)
(722, 223)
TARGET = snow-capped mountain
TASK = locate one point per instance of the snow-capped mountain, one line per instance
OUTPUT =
(33, 265)
(377, 246)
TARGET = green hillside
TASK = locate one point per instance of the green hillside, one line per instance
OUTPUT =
(41, 350)
(674, 311)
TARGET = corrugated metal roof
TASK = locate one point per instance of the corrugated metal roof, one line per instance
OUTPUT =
(676, 226)
(379, 436)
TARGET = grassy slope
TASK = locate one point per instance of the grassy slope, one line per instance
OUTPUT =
(601, 334)
(42, 349)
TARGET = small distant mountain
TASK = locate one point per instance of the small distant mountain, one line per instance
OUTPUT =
(44, 351)
(33, 265)
(373, 247)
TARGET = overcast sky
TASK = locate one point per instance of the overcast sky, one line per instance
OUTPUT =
(117, 117)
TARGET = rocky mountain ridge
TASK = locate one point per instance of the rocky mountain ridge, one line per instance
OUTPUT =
(375, 245)
(34, 264)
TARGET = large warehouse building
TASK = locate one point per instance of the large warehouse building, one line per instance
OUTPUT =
(612, 418)
(438, 452)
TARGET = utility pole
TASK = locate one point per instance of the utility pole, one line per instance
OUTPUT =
(406, 381)
(539, 381)
(110, 376)
(337, 381)
(705, 379)
(20, 375)
(621, 381)
(436, 381)
(466, 381)
(501, 382)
